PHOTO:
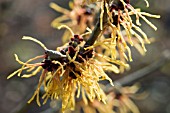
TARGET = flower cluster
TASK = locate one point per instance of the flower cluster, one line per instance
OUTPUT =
(79, 18)
(75, 69)
(69, 70)
(118, 101)
(122, 31)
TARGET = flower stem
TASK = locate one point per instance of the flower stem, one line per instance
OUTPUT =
(97, 31)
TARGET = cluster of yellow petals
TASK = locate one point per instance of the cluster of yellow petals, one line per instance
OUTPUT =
(123, 35)
(90, 1)
(120, 101)
(76, 18)
(126, 33)
(59, 84)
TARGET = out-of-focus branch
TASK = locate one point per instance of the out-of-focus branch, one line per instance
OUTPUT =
(134, 77)
(23, 106)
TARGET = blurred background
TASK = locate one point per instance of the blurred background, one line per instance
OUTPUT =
(33, 17)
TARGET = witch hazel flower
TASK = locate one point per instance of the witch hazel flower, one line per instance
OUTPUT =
(68, 72)
(120, 32)
(76, 69)
(79, 17)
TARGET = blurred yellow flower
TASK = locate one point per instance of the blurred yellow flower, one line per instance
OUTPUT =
(118, 101)
(78, 18)
(90, 1)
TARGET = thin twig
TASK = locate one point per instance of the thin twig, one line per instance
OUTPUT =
(134, 77)
(131, 78)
